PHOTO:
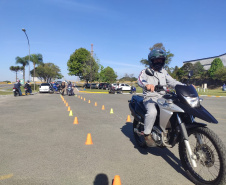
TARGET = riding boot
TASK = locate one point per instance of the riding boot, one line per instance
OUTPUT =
(149, 140)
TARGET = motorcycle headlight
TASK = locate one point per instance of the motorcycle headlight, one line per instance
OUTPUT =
(192, 101)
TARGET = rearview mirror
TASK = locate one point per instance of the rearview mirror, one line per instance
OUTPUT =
(149, 72)
(190, 74)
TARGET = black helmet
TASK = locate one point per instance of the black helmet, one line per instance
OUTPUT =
(154, 54)
(69, 83)
(28, 81)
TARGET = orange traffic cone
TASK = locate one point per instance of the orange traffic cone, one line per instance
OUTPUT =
(81, 97)
(117, 180)
(75, 121)
(95, 104)
(78, 96)
(69, 108)
(128, 119)
(84, 99)
(103, 108)
(66, 104)
(89, 140)
(89, 101)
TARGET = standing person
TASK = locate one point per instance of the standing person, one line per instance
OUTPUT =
(147, 80)
(133, 89)
(17, 86)
(63, 86)
(224, 87)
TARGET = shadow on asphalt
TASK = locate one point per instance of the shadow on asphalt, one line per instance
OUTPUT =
(165, 153)
(101, 179)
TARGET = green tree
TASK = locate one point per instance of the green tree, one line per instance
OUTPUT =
(215, 65)
(101, 73)
(47, 72)
(82, 64)
(36, 59)
(182, 73)
(198, 70)
(173, 71)
(16, 69)
(24, 62)
(109, 75)
(128, 77)
(220, 74)
(168, 54)
(90, 70)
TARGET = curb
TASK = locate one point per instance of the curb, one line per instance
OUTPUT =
(94, 92)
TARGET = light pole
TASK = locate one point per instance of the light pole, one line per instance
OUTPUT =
(29, 52)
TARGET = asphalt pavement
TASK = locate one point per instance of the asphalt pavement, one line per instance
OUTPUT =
(41, 145)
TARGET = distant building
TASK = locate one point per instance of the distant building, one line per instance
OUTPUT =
(206, 62)
(35, 79)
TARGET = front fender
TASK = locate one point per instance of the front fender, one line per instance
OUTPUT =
(195, 125)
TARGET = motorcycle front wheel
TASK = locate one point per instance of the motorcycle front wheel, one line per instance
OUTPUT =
(139, 127)
(210, 154)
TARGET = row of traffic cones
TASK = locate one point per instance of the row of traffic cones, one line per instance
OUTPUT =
(117, 180)
(89, 138)
(95, 104)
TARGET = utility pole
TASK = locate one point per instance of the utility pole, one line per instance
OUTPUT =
(29, 53)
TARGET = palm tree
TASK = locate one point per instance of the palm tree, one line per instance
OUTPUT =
(36, 59)
(24, 63)
(16, 69)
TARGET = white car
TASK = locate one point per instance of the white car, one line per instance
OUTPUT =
(114, 85)
(45, 87)
(125, 87)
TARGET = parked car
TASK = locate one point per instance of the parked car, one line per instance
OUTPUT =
(114, 90)
(45, 87)
(114, 85)
(86, 86)
(125, 87)
(93, 86)
(105, 86)
(59, 82)
(101, 85)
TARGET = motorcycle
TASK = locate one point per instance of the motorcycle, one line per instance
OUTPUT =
(16, 92)
(27, 90)
(56, 88)
(202, 153)
(69, 91)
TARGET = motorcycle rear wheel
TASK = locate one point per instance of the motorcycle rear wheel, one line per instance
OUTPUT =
(139, 138)
(16, 93)
(211, 157)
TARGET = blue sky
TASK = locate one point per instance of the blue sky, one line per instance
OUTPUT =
(122, 31)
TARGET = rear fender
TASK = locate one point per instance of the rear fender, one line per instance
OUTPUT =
(134, 114)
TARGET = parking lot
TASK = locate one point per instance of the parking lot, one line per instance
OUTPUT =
(41, 145)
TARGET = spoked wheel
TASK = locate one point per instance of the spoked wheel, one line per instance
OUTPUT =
(137, 128)
(210, 154)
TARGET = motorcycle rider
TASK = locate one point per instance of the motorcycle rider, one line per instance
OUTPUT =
(17, 86)
(70, 85)
(28, 86)
(156, 59)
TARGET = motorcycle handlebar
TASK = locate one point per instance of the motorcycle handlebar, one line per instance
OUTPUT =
(159, 88)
